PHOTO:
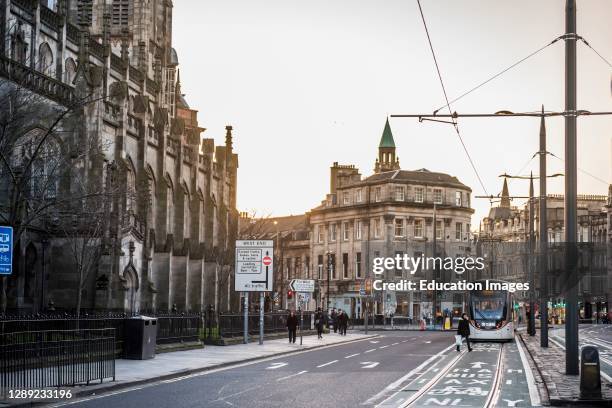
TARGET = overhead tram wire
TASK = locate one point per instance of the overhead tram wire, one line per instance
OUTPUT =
(581, 170)
(454, 122)
(502, 72)
(596, 52)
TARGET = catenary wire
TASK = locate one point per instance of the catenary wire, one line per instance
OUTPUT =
(447, 101)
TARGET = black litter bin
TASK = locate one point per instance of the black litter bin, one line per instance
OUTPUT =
(140, 338)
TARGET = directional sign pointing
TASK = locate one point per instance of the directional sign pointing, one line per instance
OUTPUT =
(302, 285)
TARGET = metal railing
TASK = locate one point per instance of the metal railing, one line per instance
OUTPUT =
(231, 325)
(55, 358)
(179, 329)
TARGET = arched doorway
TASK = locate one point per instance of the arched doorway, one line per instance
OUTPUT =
(131, 303)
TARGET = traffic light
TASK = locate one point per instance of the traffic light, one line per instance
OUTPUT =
(289, 294)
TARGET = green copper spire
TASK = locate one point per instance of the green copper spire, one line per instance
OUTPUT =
(387, 137)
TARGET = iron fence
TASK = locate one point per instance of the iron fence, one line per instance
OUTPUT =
(232, 324)
(55, 358)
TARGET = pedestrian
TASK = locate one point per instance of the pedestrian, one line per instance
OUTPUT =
(292, 322)
(463, 330)
(342, 322)
(319, 318)
(334, 319)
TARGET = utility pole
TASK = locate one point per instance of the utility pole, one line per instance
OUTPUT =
(543, 258)
(531, 328)
(571, 182)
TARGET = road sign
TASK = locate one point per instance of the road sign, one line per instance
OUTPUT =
(304, 297)
(302, 285)
(6, 250)
(254, 266)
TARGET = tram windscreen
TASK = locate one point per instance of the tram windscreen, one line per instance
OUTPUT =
(489, 307)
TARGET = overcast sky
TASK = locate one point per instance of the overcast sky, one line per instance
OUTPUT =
(308, 83)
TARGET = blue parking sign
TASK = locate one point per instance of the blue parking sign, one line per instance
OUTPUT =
(6, 250)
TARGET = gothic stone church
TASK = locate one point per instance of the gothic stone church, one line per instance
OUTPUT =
(167, 241)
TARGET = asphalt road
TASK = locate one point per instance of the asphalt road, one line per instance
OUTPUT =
(347, 375)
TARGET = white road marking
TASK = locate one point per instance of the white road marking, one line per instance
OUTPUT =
(369, 364)
(352, 355)
(370, 350)
(428, 341)
(373, 341)
(274, 366)
(382, 347)
(534, 396)
(292, 375)
(403, 341)
(328, 363)
(395, 344)
(603, 374)
(395, 384)
(508, 382)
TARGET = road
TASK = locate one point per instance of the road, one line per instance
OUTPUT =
(595, 335)
(359, 373)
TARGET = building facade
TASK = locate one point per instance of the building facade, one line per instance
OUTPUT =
(168, 242)
(392, 212)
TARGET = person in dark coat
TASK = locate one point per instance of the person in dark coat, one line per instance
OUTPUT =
(334, 320)
(464, 330)
(292, 323)
(319, 322)
(342, 322)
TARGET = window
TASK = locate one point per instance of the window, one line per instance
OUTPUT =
(332, 266)
(169, 209)
(358, 196)
(332, 232)
(69, 70)
(201, 220)
(399, 193)
(358, 265)
(186, 215)
(458, 198)
(307, 267)
(377, 228)
(320, 267)
(458, 230)
(377, 194)
(438, 229)
(418, 194)
(399, 227)
(345, 266)
(398, 271)
(320, 234)
(345, 198)
(45, 59)
(345, 231)
(358, 229)
(288, 268)
(297, 267)
(437, 196)
(418, 228)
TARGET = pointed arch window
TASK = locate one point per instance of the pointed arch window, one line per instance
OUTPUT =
(70, 69)
(45, 59)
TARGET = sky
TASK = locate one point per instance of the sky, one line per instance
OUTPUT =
(308, 83)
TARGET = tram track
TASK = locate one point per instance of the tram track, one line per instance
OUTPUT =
(431, 388)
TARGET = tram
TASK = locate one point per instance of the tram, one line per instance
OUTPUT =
(491, 315)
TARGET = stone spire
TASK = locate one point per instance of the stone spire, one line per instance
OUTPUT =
(386, 152)
(505, 195)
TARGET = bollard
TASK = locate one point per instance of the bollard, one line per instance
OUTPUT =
(590, 379)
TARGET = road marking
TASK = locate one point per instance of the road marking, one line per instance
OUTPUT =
(403, 341)
(508, 382)
(369, 364)
(373, 341)
(370, 350)
(352, 355)
(326, 364)
(382, 347)
(428, 341)
(601, 373)
(274, 366)
(393, 386)
(292, 375)
(395, 344)
(534, 396)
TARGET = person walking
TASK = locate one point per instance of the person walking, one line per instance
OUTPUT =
(292, 323)
(334, 320)
(342, 322)
(319, 321)
(463, 330)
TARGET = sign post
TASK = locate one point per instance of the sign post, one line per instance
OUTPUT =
(254, 273)
(6, 250)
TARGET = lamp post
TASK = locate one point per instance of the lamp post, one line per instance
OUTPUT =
(329, 271)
